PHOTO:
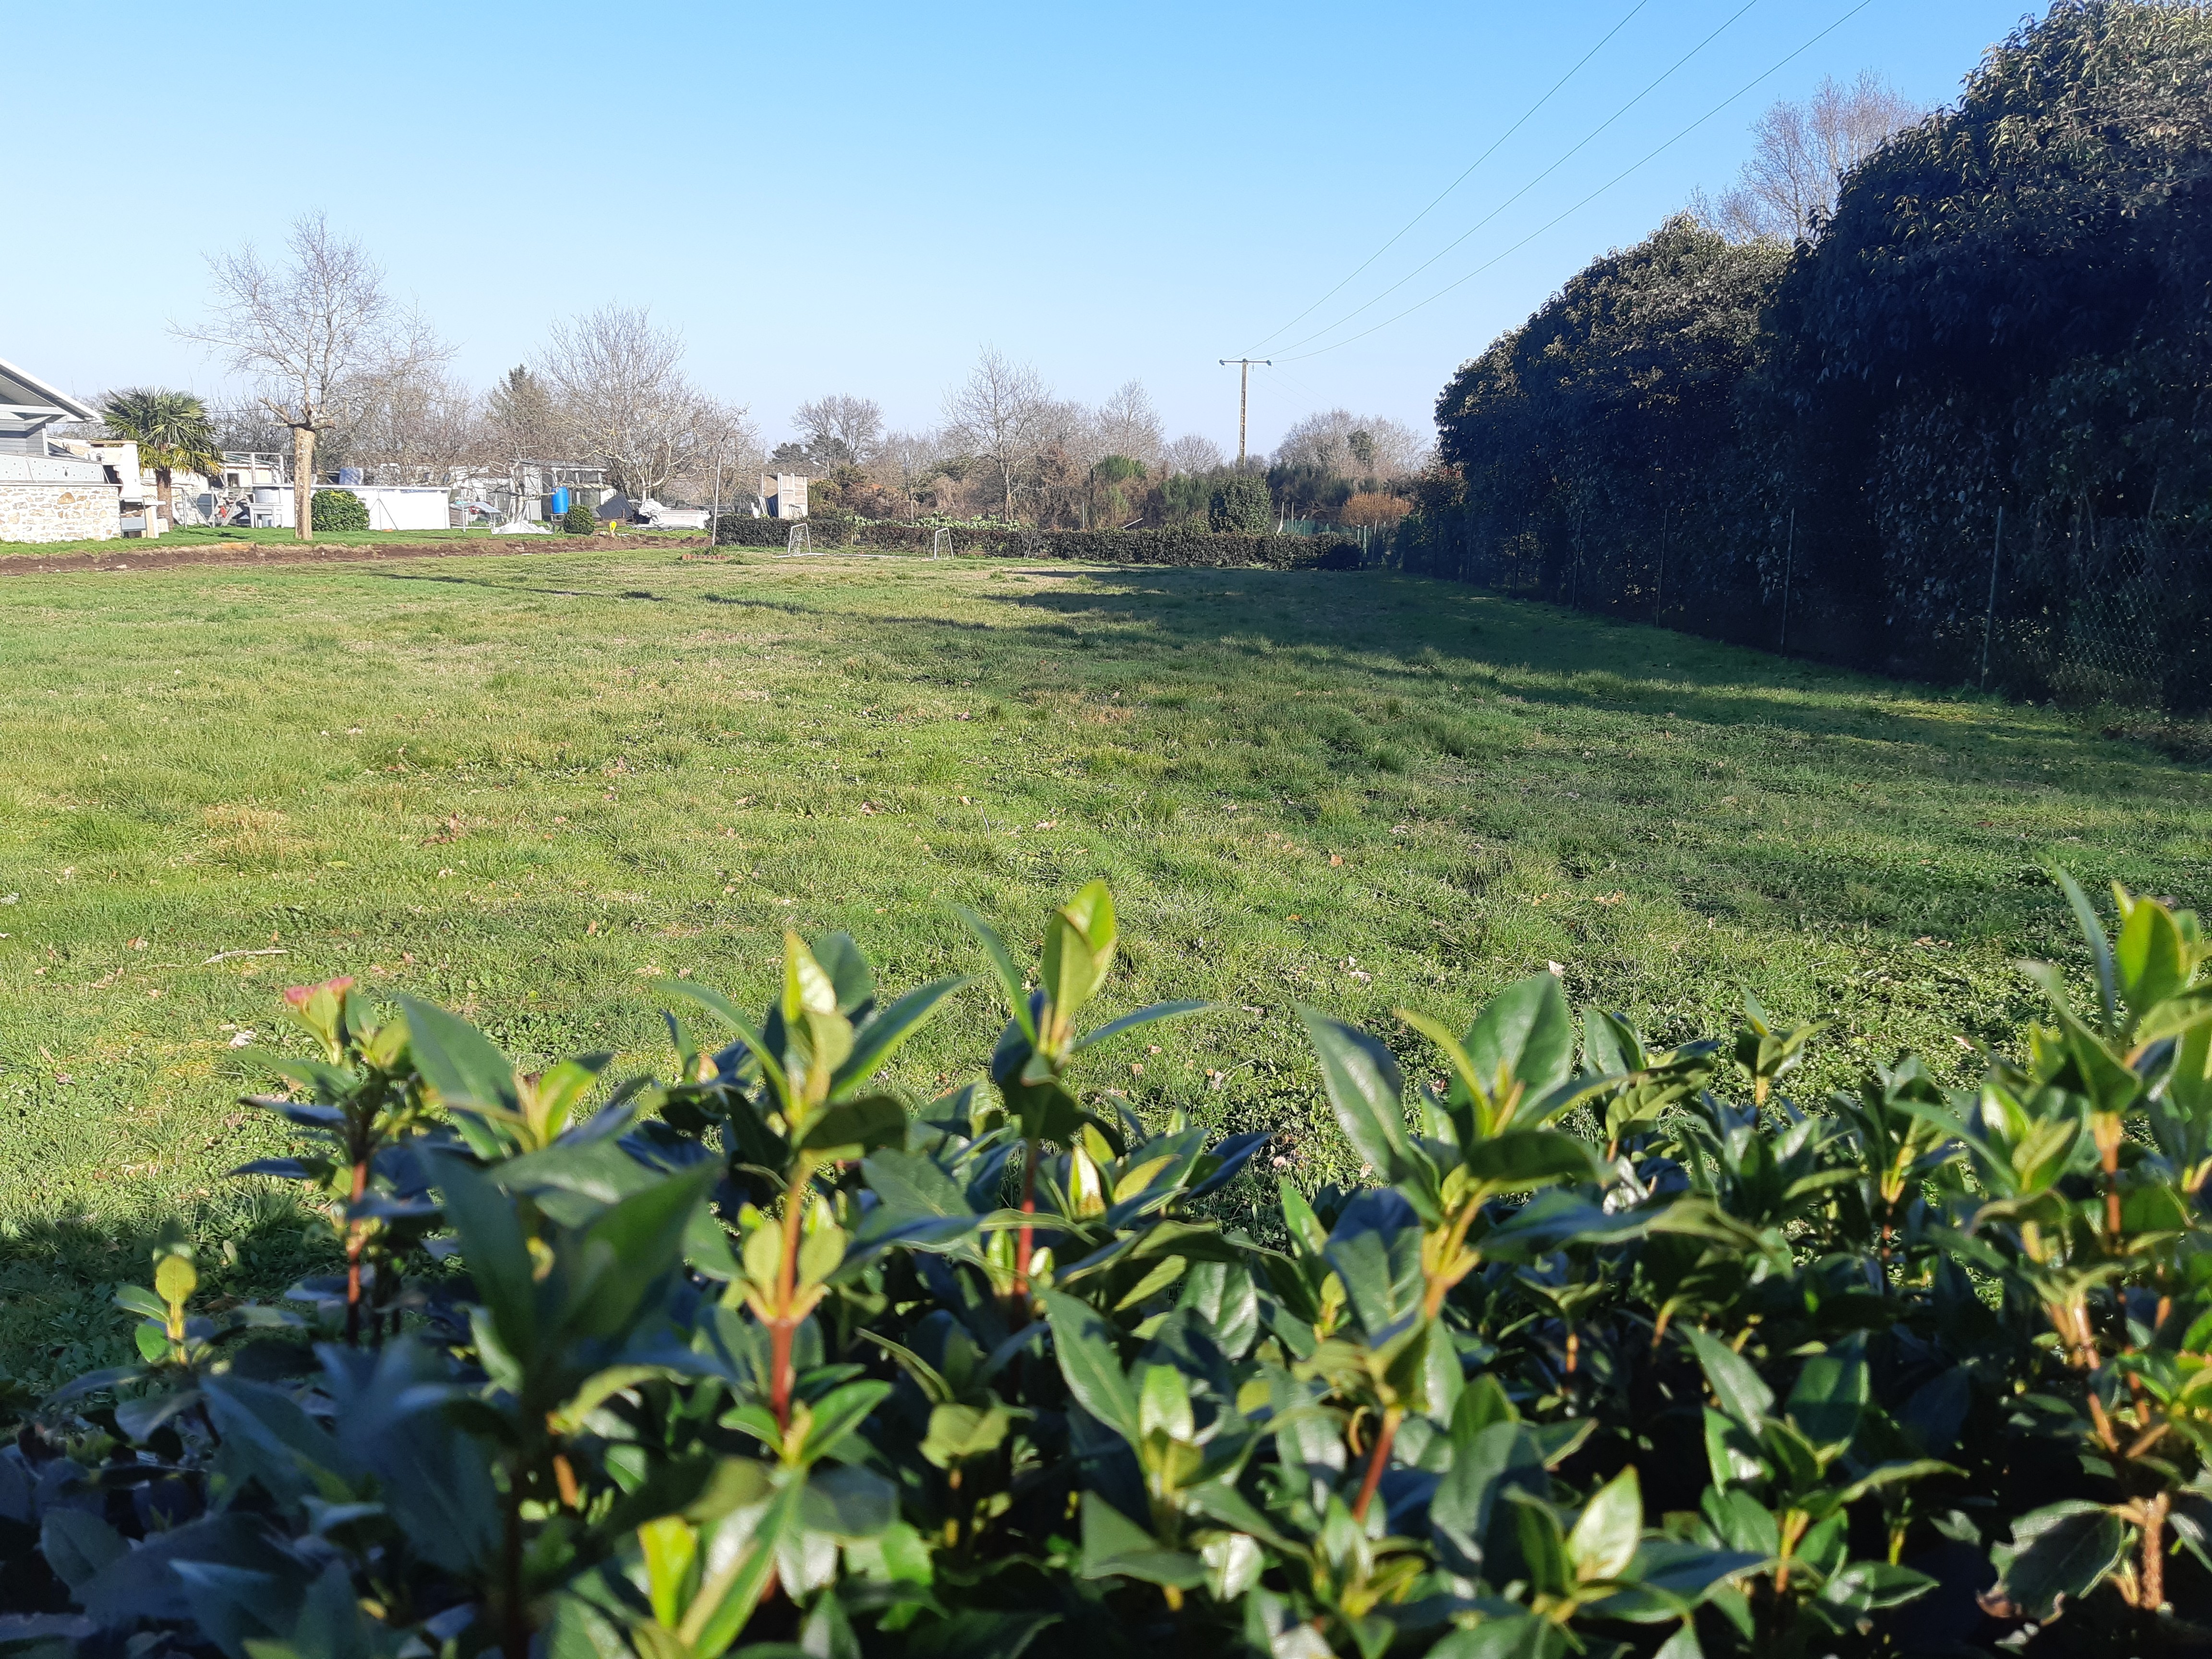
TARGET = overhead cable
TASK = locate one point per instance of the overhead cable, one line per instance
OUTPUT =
(1401, 230)
(1587, 140)
(1634, 166)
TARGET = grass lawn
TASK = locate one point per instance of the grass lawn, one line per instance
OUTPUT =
(527, 787)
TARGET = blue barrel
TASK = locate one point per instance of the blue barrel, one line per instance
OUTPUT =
(560, 503)
(349, 475)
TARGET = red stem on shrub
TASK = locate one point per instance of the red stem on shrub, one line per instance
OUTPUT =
(355, 1239)
(2154, 1551)
(1027, 1237)
(1376, 1463)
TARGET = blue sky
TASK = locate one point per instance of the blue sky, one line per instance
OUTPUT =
(853, 196)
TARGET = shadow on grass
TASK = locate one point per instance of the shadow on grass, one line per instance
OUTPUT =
(58, 1276)
(1619, 665)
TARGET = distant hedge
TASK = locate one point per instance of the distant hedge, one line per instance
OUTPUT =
(1165, 547)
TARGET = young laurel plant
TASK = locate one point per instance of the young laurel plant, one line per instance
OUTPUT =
(2105, 1233)
(816, 1055)
(177, 1348)
(362, 1101)
(1512, 1076)
(1040, 1042)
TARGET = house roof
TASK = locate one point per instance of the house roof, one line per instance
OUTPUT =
(21, 389)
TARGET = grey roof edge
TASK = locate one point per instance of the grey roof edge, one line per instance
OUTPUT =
(55, 395)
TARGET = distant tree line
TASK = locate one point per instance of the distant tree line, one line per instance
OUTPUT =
(1800, 413)
(1012, 450)
(332, 369)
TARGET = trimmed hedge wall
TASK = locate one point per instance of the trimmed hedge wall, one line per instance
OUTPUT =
(1163, 547)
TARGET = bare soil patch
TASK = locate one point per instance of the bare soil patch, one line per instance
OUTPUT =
(137, 555)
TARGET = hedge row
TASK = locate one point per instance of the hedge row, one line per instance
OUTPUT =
(1626, 1355)
(1163, 547)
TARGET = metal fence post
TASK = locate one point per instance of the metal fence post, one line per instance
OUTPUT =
(1788, 558)
(1990, 616)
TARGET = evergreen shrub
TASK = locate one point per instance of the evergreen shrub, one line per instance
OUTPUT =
(1625, 1351)
(337, 509)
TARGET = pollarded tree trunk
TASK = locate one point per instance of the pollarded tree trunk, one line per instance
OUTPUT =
(303, 482)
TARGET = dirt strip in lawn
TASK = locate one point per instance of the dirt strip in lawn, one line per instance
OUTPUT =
(134, 555)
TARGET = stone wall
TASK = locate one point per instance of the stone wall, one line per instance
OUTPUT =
(65, 510)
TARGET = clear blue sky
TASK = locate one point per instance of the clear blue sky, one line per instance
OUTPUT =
(852, 197)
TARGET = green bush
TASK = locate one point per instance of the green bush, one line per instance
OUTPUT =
(338, 509)
(1624, 1354)
(579, 520)
(1242, 504)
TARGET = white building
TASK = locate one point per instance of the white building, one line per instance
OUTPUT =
(783, 495)
(45, 496)
(391, 507)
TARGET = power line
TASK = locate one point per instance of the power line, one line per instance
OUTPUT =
(1634, 166)
(1587, 140)
(1457, 183)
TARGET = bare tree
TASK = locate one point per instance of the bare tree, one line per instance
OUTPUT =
(1193, 454)
(1348, 445)
(1799, 153)
(1129, 425)
(619, 396)
(304, 332)
(997, 415)
(1071, 443)
(408, 413)
(840, 429)
(907, 463)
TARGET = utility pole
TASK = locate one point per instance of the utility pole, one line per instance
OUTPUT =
(1244, 394)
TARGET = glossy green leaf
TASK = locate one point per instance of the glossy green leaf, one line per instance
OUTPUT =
(1738, 1387)
(1115, 1547)
(1831, 1396)
(458, 1060)
(1605, 1535)
(1525, 1032)
(1366, 1091)
(1082, 1343)
(2100, 949)
(2063, 1552)
(852, 1128)
(1002, 964)
(715, 1003)
(1145, 1016)
(887, 1031)
(1521, 1158)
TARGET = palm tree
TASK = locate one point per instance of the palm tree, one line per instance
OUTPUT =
(172, 430)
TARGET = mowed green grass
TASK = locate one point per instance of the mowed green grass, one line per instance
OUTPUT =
(530, 786)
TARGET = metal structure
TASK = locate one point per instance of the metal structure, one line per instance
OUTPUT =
(798, 545)
(941, 538)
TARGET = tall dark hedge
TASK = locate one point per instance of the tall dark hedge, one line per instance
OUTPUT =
(2011, 305)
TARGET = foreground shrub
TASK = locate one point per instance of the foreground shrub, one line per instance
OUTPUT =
(337, 509)
(1625, 1352)
(579, 520)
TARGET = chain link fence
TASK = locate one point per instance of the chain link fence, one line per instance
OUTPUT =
(2041, 605)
